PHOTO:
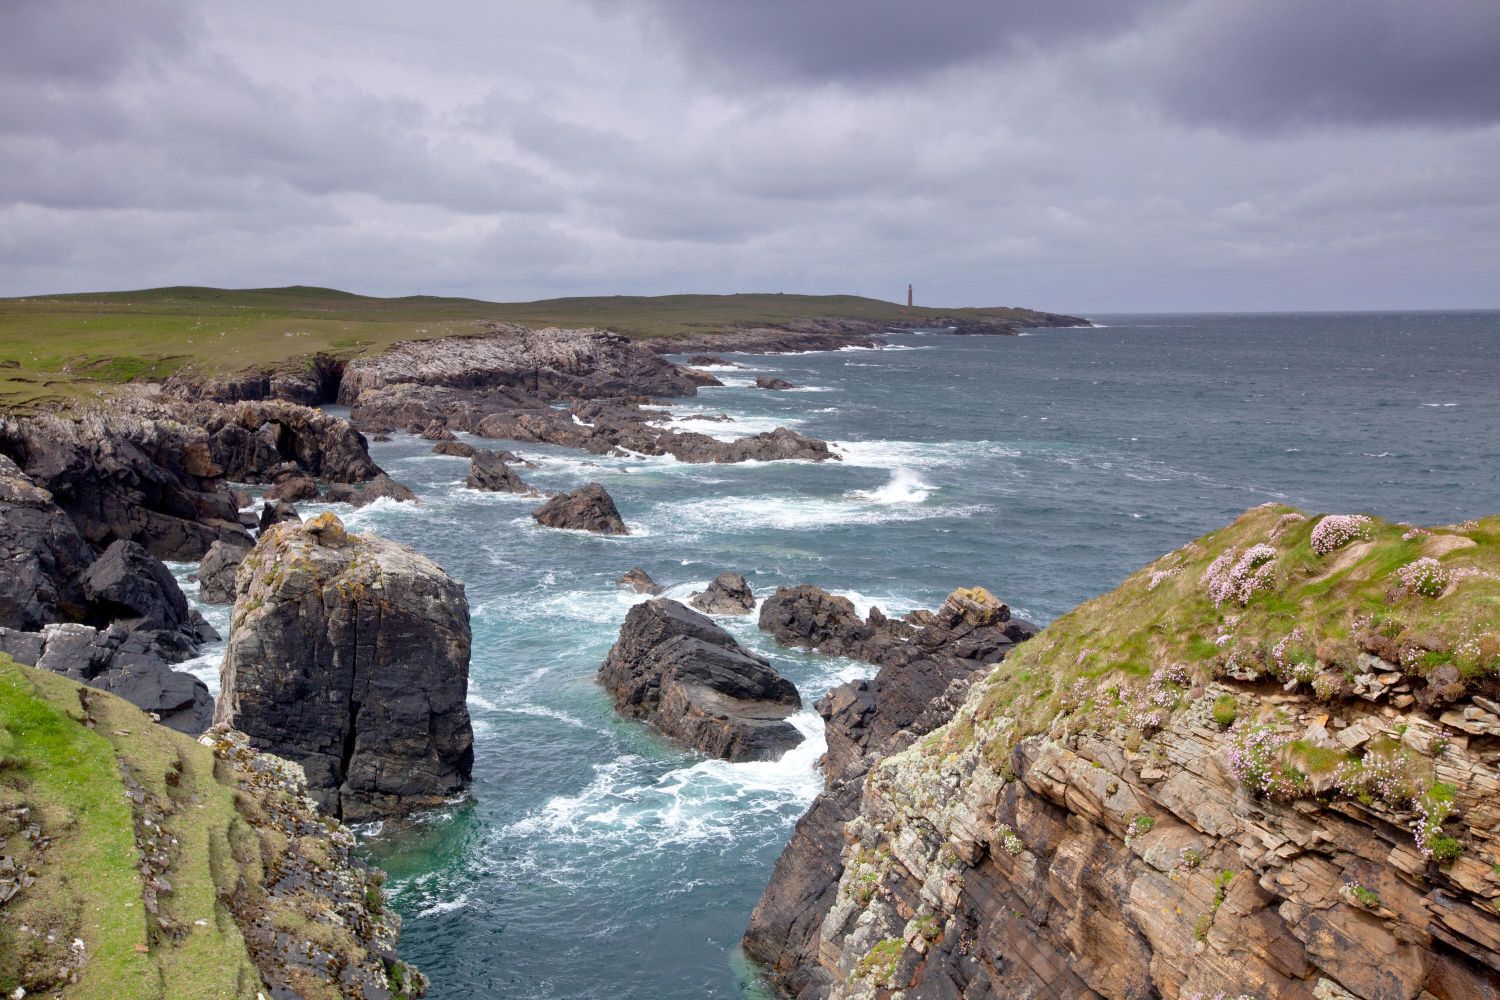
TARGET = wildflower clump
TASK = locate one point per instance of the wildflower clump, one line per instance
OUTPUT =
(1257, 761)
(1337, 530)
(1360, 896)
(1236, 576)
(1154, 704)
(1433, 807)
(1425, 576)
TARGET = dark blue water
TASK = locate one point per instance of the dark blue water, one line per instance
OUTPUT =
(598, 861)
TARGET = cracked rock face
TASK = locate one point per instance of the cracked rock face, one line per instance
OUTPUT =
(350, 655)
(679, 671)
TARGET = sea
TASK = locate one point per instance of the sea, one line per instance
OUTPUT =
(597, 861)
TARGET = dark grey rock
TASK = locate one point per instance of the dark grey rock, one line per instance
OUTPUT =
(42, 553)
(589, 508)
(488, 471)
(275, 512)
(770, 382)
(216, 572)
(359, 494)
(350, 655)
(728, 594)
(688, 677)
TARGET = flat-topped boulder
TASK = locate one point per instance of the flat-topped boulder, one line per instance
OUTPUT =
(728, 594)
(350, 655)
(488, 471)
(588, 508)
(690, 679)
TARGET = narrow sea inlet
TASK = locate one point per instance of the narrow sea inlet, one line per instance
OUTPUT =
(597, 860)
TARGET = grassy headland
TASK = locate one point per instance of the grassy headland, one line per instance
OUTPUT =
(59, 348)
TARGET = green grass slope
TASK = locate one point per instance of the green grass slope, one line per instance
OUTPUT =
(58, 348)
(141, 854)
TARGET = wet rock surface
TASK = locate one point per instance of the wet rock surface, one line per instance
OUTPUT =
(488, 471)
(773, 383)
(42, 552)
(350, 655)
(728, 594)
(588, 508)
(679, 671)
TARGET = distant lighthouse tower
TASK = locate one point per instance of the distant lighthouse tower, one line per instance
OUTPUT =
(908, 296)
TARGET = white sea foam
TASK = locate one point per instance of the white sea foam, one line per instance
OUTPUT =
(919, 454)
(445, 906)
(904, 486)
(794, 513)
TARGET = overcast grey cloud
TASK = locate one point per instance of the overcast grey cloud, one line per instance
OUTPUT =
(1143, 154)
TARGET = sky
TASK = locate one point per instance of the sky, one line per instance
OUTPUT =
(1073, 155)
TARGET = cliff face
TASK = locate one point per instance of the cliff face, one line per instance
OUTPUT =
(1264, 766)
(350, 655)
(137, 862)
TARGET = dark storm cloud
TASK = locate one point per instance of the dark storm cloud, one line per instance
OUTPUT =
(1074, 154)
(871, 40)
(1261, 64)
(86, 41)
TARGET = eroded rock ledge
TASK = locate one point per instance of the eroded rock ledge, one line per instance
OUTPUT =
(1264, 766)
(350, 655)
(687, 676)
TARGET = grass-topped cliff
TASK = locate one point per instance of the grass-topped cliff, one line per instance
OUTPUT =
(54, 348)
(1261, 767)
(140, 863)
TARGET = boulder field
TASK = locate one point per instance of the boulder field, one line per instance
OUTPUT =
(349, 654)
(685, 675)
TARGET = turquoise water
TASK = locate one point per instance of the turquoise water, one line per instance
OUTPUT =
(597, 860)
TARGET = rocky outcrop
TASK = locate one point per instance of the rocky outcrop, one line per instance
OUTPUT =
(458, 449)
(119, 661)
(257, 442)
(350, 655)
(488, 472)
(599, 426)
(216, 573)
(922, 679)
(771, 382)
(971, 625)
(728, 594)
(542, 364)
(588, 508)
(713, 360)
(42, 552)
(310, 381)
(640, 581)
(1223, 778)
(682, 673)
(123, 475)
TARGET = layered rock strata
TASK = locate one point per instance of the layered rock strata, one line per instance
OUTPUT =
(689, 678)
(1262, 767)
(350, 655)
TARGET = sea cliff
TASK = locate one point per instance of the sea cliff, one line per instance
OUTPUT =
(1263, 766)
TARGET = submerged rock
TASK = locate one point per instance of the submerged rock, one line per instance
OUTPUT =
(679, 671)
(728, 594)
(589, 508)
(359, 494)
(488, 471)
(350, 655)
(639, 581)
(460, 449)
(771, 382)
